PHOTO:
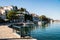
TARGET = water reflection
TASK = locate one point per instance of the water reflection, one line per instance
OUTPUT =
(26, 30)
(43, 26)
(45, 31)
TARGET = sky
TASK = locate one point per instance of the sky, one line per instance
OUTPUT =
(49, 8)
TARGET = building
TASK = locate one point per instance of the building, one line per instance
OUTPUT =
(4, 10)
(35, 17)
(21, 15)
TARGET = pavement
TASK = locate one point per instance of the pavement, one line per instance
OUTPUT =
(7, 33)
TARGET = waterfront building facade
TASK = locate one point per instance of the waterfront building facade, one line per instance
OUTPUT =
(4, 10)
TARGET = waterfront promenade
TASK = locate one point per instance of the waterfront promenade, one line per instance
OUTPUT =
(7, 33)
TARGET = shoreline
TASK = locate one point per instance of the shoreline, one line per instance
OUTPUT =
(8, 34)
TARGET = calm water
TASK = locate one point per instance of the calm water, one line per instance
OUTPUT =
(44, 32)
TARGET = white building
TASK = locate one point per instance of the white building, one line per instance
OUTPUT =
(35, 17)
(2, 14)
(4, 10)
(21, 15)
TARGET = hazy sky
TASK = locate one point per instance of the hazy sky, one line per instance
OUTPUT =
(50, 8)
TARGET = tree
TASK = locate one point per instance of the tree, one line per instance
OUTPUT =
(26, 14)
(12, 15)
(22, 9)
(15, 8)
(28, 17)
(44, 18)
